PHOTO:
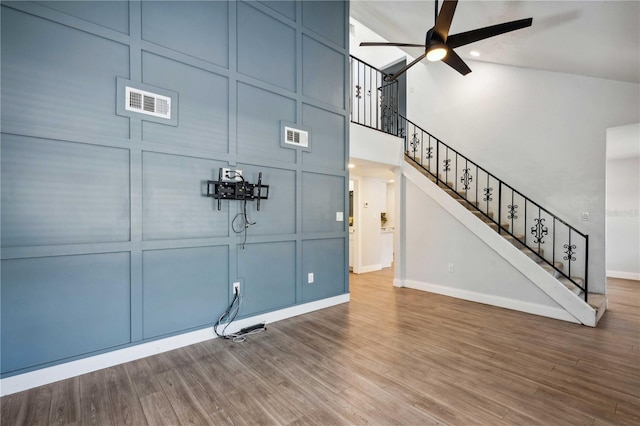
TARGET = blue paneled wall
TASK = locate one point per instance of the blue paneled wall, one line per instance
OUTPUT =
(107, 237)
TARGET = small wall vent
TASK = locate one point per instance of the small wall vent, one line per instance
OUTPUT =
(296, 137)
(147, 103)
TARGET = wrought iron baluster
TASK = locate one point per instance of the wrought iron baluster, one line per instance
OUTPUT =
(586, 268)
(569, 253)
(477, 176)
(553, 242)
(499, 206)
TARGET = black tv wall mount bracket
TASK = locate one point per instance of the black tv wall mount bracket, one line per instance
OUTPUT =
(231, 188)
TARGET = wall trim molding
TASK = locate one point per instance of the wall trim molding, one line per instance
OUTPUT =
(32, 379)
(493, 300)
(624, 275)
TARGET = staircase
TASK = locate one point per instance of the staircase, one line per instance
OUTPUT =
(558, 249)
(595, 300)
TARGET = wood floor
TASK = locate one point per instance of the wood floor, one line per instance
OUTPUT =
(390, 356)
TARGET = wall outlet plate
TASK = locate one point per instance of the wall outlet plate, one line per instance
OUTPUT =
(310, 278)
(231, 175)
(339, 216)
(236, 286)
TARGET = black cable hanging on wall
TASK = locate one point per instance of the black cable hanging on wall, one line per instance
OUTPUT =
(230, 188)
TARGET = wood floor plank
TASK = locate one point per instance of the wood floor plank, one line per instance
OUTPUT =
(65, 402)
(94, 404)
(158, 410)
(182, 400)
(390, 356)
(10, 409)
(125, 408)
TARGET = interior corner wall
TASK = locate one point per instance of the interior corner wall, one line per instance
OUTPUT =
(108, 238)
(541, 132)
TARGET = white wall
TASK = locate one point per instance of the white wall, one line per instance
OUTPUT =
(541, 132)
(371, 196)
(477, 269)
(623, 202)
(391, 205)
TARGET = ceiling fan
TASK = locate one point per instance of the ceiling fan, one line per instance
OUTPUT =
(439, 44)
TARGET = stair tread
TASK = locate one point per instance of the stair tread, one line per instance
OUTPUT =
(596, 300)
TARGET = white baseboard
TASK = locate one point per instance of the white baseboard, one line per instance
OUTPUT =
(489, 299)
(369, 268)
(70, 369)
(624, 275)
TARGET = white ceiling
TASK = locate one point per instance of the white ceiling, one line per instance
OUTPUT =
(591, 38)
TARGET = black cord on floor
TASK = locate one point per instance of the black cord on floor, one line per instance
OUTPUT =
(229, 316)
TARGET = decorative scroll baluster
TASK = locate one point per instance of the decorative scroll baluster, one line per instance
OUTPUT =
(539, 230)
(569, 252)
(466, 179)
(487, 193)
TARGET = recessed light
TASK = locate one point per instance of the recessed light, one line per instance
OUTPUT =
(474, 53)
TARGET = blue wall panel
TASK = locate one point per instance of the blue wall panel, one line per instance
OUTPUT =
(328, 135)
(259, 116)
(314, 17)
(325, 258)
(285, 7)
(108, 238)
(319, 207)
(277, 215)
(184, 288)
(57, 307)
(199, 30)
(172, 198)
(60, 193)
(59, 77)
(266, 48)
(109, 14)
(323, 75)
(268, 271)
(203, 105)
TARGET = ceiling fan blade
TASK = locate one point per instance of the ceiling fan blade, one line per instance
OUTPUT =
(406, 67)
(366, 44)
(444, 18)
(460, 39)
(454, 61)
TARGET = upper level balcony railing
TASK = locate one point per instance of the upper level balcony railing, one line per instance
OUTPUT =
(374, 103)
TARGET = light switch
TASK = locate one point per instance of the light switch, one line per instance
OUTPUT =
(339, 217)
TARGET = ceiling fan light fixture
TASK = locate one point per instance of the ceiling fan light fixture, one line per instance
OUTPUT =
(436, 53)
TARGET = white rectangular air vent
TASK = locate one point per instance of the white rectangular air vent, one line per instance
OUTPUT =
(296, 137)
(147, 103)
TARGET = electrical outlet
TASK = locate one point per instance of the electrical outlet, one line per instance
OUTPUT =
(450, 267)
(310, 278)
(236, 287)
(229, 175)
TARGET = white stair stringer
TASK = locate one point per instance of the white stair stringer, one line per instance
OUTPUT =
(572, 304)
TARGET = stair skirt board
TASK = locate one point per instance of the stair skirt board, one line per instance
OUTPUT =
(493, 300)
(43, 376)
(575, 306)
